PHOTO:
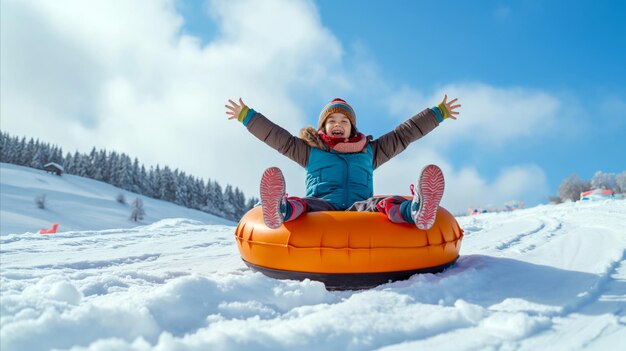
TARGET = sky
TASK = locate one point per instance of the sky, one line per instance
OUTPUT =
(542, 85)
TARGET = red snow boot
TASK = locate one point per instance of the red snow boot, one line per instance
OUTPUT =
(272, 197)
(426, 200)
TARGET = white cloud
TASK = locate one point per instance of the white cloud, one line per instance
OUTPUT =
(120, 75)
(465, 187)
(489, 116)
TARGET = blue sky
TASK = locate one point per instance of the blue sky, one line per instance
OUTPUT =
(566, 47)
(574, 49)
(542, 83)
(570, 48)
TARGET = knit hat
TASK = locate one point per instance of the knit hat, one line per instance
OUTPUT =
(337, 105)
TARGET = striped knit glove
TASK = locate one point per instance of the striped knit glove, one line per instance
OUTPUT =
(245, 115)
(441, 111)
(444, 110)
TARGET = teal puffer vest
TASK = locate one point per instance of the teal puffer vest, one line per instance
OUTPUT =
(340, 178)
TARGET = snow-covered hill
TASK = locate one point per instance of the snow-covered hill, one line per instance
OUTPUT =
(75, 203)
(550, 277)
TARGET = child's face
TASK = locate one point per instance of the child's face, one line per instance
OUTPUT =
(338, 125)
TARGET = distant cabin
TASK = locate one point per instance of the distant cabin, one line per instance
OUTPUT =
(53, 168)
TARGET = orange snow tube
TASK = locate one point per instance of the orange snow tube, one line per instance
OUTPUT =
(347, 250)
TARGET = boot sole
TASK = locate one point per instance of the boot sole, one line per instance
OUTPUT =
(272, 192)
(431, 187)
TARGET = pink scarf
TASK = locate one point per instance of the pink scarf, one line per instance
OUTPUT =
(344, 145)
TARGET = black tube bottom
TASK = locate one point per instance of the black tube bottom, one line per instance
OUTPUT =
(347, 281)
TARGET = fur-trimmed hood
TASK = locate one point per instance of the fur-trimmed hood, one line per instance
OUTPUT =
(309, 134)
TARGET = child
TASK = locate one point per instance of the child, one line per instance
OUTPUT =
(340, 162)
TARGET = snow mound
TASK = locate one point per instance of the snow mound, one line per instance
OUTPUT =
(173, 223)
(550, 277)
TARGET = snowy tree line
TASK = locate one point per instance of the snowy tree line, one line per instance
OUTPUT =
(119, 170)
(572, 186)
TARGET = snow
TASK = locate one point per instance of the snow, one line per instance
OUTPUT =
(76, 203)
(549, 277)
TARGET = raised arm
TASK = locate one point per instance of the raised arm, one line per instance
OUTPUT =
(391, 144)
(269, 133)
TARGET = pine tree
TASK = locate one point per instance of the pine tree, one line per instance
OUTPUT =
(198, 194)
(68, 164)
(19, 152)
(167, 186)
(215, 199)
(56, 156)
(135, 178)
(125, 173)
(15, 150)
(38, 159)
(44, 151)
(91, 162)
(182, 190)
(240, 204)
(253, 201)
(229, 202)
(102, 167)
(191, 189)
(208, 205)
(155, 182)
(83, 164)
(5, 148)
(144, 182)
(27, 153)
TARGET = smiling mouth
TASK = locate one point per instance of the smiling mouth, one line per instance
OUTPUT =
(337, 132)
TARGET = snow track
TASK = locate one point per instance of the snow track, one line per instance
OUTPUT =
(550, 277)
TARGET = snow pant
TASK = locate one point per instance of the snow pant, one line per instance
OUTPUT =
(397, 208)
